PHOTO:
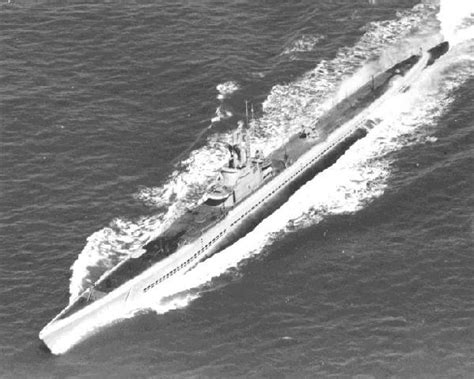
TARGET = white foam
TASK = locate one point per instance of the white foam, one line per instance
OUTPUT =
(221, 114)
(226, 89)
(304, 43)
(454, 16)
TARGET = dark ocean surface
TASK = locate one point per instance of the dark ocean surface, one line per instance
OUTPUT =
(110, 118)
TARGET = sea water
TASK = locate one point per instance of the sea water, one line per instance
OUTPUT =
(112, 118)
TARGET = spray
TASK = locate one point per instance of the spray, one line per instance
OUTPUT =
(454, 15)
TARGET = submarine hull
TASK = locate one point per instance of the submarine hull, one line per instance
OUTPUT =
(69, 327)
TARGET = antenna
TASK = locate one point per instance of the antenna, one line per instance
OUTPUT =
(247, 129)
(246, 112)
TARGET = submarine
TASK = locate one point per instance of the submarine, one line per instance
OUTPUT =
(248, 188)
